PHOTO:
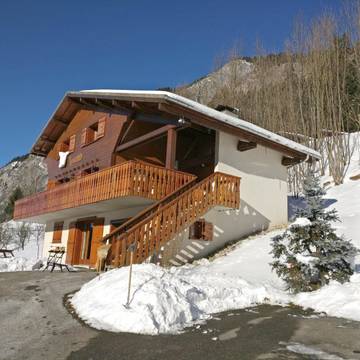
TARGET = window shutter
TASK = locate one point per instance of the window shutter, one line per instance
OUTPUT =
(83, 136)
(208, 231)
(101, 128)
(58, 228)
(72, 142)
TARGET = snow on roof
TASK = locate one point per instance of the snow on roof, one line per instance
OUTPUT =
(205, 110)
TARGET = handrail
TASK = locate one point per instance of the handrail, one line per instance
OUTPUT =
(168, 220)
(132, 178)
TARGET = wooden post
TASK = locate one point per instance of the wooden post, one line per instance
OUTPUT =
(132, 249)
(171, 149)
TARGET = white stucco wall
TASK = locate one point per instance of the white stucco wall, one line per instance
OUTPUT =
(263, 189)
(263, 201)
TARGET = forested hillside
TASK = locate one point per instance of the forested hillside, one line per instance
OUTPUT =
(309, 93)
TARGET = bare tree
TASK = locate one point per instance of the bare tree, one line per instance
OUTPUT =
(38, 231)
(23, 233)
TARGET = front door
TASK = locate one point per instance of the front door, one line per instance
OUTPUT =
(85, 242)
(87, 236)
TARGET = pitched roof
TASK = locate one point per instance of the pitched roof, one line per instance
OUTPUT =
(168, 102)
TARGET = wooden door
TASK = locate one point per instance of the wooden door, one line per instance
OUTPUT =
(85, 242)
(87, 239)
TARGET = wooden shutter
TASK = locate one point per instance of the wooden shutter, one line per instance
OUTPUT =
(83, 137)
(72, 143)
(70, 247)
(58, 228)
(208, 231)
(101, 128)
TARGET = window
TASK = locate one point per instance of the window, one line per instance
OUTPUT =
(58, 228)
(93, 132)
(68, 144)
(201, 230)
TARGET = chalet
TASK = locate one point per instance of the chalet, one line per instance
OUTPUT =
(152, 171)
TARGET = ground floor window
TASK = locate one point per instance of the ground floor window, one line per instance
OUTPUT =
(57, 233)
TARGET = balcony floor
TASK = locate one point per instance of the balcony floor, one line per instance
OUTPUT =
(92, 209)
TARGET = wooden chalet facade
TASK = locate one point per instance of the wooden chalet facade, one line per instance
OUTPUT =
(154, 169)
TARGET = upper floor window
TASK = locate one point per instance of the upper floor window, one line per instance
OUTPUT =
(93, 132)
(68, 145)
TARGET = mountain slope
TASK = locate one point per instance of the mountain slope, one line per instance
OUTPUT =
(27, 172)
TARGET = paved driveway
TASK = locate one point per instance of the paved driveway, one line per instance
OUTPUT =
(34, 324)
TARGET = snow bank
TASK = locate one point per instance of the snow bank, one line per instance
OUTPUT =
(24, 259)
(163, 300)
(335, 299)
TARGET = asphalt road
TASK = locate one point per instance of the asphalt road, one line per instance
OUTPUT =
(34, 324)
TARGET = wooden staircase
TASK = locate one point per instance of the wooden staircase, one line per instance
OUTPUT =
(159, 223)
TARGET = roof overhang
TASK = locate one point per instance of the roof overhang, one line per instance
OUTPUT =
(160, 102)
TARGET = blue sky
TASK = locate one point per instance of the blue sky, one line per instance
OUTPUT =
(50, 47)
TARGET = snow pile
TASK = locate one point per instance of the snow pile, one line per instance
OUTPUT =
(16, 263)
(164, 300)
(335, 299)
(24, 259)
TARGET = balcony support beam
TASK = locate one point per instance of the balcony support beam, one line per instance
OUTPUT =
(171, 148)
(150, 136)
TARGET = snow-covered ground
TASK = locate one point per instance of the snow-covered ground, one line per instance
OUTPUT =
(24, 259)
(167, 300)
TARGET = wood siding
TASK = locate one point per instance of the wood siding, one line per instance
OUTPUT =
(98, 153)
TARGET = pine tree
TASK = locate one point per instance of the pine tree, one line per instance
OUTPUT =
(309, 253)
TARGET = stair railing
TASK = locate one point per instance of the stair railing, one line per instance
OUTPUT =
(152, 232)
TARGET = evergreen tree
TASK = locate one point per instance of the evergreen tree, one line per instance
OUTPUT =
(309, 253)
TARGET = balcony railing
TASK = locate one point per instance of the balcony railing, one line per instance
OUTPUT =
(131, 178)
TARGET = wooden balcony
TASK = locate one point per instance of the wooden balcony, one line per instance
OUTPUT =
(131, 178)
